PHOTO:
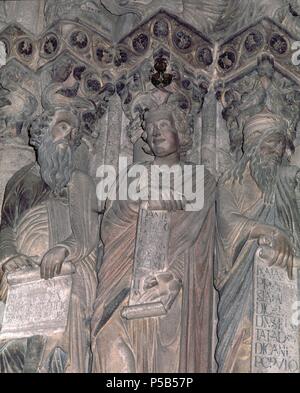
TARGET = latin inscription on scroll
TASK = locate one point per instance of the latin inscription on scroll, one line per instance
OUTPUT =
(151, 253)
(275, 344)
(35, 306)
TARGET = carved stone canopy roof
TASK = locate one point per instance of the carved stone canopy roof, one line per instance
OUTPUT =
(79, 65)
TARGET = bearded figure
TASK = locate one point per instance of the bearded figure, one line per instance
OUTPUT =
(256, 202)
(180, 339)
(49, 219)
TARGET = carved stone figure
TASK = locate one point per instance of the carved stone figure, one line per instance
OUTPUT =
(49, 219)
(178, 340)
(149, 304)
(256, 207)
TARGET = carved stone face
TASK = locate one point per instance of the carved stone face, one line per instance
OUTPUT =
(162, 136)
(266, 160)
(272, 148)
(63, 126)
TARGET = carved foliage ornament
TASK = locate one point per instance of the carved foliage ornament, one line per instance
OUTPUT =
(83, 69)
(86, 43)
(242, 48)
(163, 53)
(78, 85)
(18, 101)
(263, 89)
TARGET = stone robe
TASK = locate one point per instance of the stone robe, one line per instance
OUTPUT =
(179, 341)
(34, 221)
(239, 208)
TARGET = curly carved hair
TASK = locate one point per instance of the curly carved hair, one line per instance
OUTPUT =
(179, 120)
(39, 127)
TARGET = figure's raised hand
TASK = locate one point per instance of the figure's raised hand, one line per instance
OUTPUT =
(277, 250)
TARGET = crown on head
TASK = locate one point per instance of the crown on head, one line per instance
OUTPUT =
(257, 100)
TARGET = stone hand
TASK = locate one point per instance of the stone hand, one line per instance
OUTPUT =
(162, 287)
(277, 250)
(18, 262)
(52, 262)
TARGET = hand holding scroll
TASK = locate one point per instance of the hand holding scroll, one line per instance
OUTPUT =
(162, 287)
(277, 250)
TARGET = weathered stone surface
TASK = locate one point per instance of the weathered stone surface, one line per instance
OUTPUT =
(149, 311)
(12, 158)
(258, 210)
(151, 250)
(35, 306)
(151, 255)
(49, 220)
(28, 13)
(225, 64)
(275, 343)
(2, 54)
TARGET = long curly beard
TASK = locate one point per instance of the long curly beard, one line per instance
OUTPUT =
(56, 163)
(264, 171)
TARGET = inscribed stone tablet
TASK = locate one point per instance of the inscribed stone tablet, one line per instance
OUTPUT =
(151, 255)
(36, 307)
(275, 345)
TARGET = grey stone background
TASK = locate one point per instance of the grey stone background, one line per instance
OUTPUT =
(219, 20)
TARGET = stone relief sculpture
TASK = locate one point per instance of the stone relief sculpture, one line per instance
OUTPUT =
(288, 15)
(17, 104)
(256, 201)
(92, 11)
(263, 88)
(200, 81)
(257, 224)
(49, 218)
(157, 344)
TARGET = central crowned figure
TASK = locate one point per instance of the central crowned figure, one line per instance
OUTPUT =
(179, 340)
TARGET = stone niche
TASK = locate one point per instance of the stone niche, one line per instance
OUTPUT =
(95, 285)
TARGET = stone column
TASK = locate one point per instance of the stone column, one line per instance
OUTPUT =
(208, 146)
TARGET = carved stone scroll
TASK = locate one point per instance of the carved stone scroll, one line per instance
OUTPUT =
(275, 343)
(151, 251)
(35, 306)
